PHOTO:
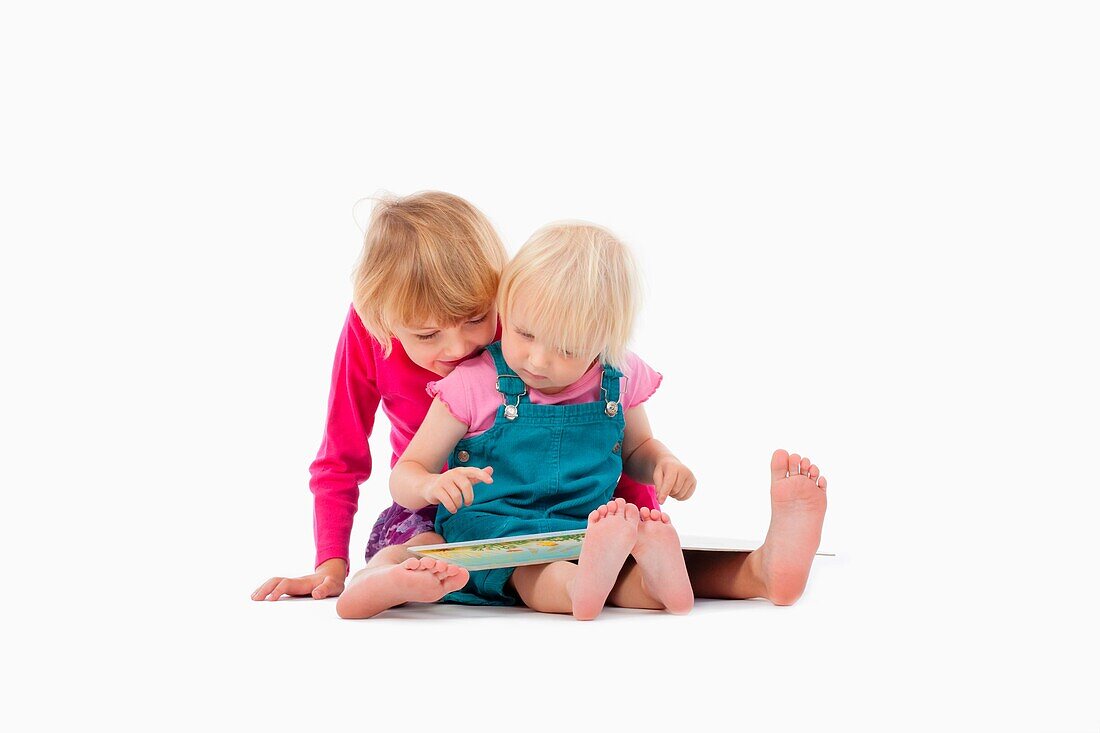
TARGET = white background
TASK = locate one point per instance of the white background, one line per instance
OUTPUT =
(867, 234)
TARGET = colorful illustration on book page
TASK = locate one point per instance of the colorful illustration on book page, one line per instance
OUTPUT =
(505, 552)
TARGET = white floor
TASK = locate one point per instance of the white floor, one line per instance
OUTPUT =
(843, 658)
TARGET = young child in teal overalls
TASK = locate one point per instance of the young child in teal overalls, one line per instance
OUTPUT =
(544, 423)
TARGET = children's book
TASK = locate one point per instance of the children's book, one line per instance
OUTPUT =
(536, 549)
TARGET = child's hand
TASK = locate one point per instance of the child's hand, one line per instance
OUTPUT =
(454, 488)
(672, 478)
(327, 581)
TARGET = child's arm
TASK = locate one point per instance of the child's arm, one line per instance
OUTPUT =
(415, 481)
(647, 460)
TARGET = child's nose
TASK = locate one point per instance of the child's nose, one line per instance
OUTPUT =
(538, 356)
(454, 348)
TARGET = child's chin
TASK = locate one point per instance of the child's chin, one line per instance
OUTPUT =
(441, 369)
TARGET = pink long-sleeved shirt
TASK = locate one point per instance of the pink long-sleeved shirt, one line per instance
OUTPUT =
(361, 380)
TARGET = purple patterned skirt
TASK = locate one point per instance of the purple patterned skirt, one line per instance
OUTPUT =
(397, 525)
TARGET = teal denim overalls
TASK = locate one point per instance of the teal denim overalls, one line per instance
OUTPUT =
(552, 465)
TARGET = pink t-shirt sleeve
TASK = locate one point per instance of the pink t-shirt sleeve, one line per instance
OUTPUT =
(452, 393)
(640, 381)
(462, 391)
(344, 461)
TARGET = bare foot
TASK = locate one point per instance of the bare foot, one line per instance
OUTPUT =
(659, 557)
(422, 579)
(798, 511)
(612, 531)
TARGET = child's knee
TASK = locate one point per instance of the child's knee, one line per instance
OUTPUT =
(394, 554)
(545, 588)
(425, 538)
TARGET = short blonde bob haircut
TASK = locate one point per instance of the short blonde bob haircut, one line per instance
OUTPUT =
(430, 258)
(580, 290)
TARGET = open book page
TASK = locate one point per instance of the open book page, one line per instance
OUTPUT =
(506, 552)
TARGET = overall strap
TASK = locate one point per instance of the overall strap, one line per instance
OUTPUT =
(609, 389)
(513, 390)
(495, 351)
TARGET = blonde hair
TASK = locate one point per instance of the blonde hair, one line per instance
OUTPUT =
(580, 289)
(428, 257)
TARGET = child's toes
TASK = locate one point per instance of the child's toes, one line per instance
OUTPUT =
(814, 472)
(804, 466)
(779, 465)
(646, 513)
(821, 482)
(793, 463)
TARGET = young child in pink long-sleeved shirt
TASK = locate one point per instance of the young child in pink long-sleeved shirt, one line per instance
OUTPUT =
(425, 291)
